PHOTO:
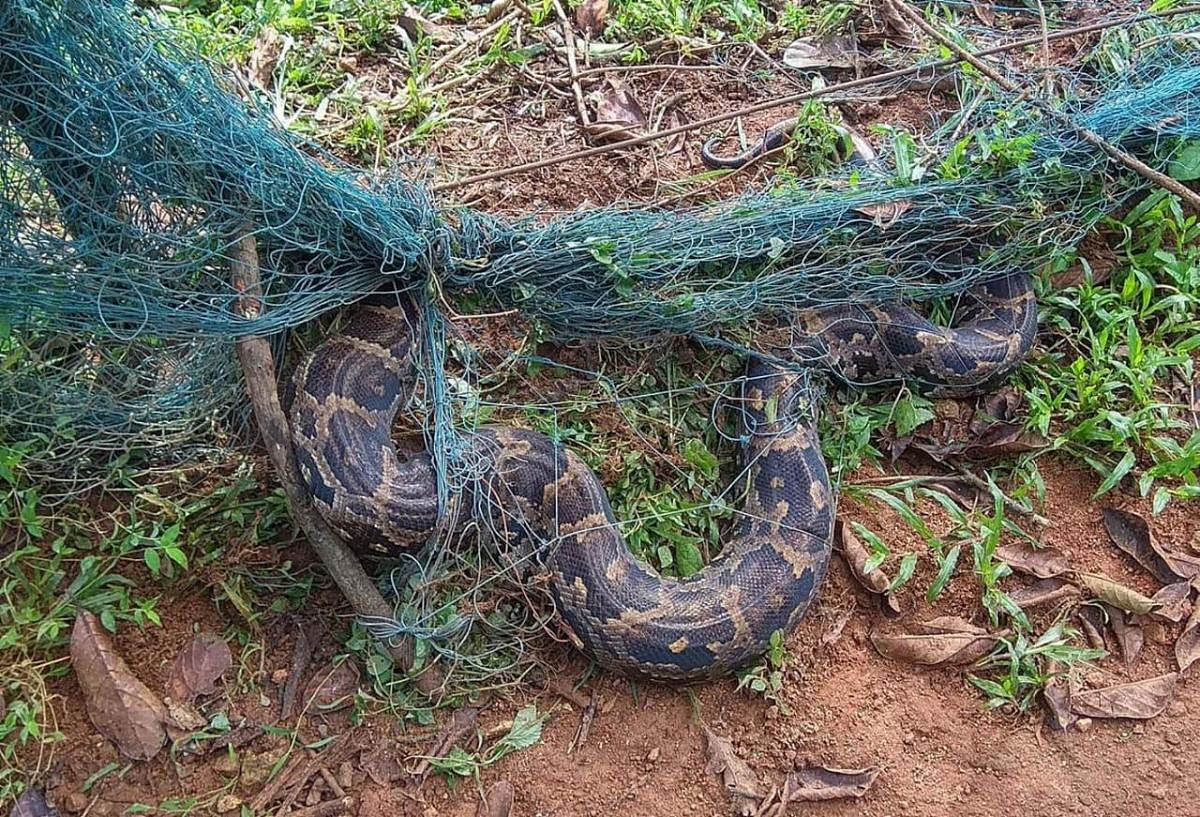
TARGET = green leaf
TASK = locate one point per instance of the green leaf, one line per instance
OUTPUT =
(176, 555)
(944, 573)
(1118, 473)
(152, 559)
(1161, 497)
(910, 415)
(688, 560)
(108, 619)
(1185, 167)
(908, 566)
(697, 453)
(665, 557)
(169, 536)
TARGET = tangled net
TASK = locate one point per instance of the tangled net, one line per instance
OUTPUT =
(130, 167)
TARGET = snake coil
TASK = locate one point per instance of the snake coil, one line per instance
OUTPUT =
(343, 398)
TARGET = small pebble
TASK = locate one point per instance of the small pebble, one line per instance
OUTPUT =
(279, 677)
(1083, 724)
(227, 803)
(654, 753)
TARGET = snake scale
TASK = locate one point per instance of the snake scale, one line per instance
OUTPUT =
(342, 400)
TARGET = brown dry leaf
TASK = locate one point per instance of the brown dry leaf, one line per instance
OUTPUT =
(498, 801)
(1131, 533)
(820, 783)
(591, 15)
(1043, 592)
(1174, 602)
(1187, 646)
(1138, 700)
(382, 766)
(740, 781)
(619, 115)
(857, 558)
(1091, 621)
(886, 213)
(1057, 695)
(197, 668)
(983, 12)
(1042, 563)
(820, 52)
(332, 689)
(120, 706)
(905, 35)
(1117, 595)
(945, 640)
(1130, 637)
(32, 803)
(676, 144)
(264, 57)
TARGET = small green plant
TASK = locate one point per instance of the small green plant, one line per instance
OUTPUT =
(526, 730)
(1024, 667)
(766, 677)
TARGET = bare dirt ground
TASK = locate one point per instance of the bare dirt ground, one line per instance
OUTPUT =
(843, 705)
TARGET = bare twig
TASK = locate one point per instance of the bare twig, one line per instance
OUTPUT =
(572, 65)
(301, 656)
(1091, 137)
(258, 368)
(330, 808)
(801, 97)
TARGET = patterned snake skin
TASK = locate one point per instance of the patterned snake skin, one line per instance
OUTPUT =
(344, 396)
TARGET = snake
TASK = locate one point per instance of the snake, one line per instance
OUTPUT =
(343, 397)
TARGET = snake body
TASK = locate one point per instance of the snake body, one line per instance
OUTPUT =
(343, 398)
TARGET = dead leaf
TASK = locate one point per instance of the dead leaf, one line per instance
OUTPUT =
(1117, 595)
(591, 15)
(858, 558)
(382, 766)
(1091, 621)
(1043, 592)
(269, 46)
(1043, 563)
(818, 783)
(120, 706)
(942, 641)
(1131, 533)
(462, 722)
(332, 689)
(904, 35)
(820, 52)
(1139, 700)
(32, 803)
(197, 667)
(1187, 646)
(1130, 637)
(834, 632)
(498, 801)
(1057, 695)
(1174, 602)
(676, 144)
(983, 12)
(617, 106)
(885, 213)
(740, 781)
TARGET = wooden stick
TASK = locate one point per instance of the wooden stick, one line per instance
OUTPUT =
(258, 367)
(1091, 137)
(801, 97)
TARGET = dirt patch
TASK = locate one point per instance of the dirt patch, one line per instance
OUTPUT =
(842, 705)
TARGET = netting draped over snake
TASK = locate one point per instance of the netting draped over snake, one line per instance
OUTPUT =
(129, 166)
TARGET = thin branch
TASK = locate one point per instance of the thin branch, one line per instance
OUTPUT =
(258, 367)
(803, 96)
(1091, 137)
